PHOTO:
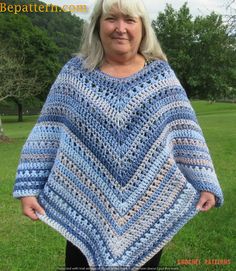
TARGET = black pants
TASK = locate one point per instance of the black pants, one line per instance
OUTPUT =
(76, 260)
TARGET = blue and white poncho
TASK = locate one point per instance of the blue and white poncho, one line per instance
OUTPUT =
(117, 163)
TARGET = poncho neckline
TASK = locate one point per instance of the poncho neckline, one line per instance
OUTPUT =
(131, 77)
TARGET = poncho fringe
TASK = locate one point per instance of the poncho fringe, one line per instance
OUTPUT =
(117, 163)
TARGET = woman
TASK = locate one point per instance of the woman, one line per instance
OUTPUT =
(117, 162)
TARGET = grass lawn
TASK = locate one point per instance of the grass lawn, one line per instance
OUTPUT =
(27, 245)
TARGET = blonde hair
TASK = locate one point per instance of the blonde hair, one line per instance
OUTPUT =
(91, 47)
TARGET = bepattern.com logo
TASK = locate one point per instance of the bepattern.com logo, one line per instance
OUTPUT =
(27, 8)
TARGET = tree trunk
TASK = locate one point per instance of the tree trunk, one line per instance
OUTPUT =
(19, 109)
(20, 114)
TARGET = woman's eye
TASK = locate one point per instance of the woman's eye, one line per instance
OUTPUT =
(132, 20)
(110, 18)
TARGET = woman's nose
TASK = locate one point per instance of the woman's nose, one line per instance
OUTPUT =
(121, 26)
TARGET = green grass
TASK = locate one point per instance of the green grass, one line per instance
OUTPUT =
(27, 245)
(24, 245)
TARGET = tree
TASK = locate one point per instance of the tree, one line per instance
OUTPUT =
(15, 82)
(174, 29)
(201, 51)
(212, 51)
(38, 44)
(33, 57)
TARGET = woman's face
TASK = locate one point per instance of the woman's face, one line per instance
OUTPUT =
(120, 34)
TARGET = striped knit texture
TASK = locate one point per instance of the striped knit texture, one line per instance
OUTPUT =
(117, 163)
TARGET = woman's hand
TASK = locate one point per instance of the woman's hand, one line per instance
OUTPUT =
(206, 201)
(29, 206)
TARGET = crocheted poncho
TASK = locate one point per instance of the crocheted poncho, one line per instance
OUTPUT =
(117, 163)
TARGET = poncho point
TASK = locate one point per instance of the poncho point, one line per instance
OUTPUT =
(117, 163)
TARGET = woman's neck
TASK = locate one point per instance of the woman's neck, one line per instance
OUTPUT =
(124, 60)
(122, 67)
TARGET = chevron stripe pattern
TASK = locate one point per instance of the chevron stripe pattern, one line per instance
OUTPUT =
(117, 163)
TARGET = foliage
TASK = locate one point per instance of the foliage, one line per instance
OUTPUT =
(15, 82)
(174, 30)
(32, 48)
(201, 52)
(63, 28)
(213, 58)
(40, 43)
